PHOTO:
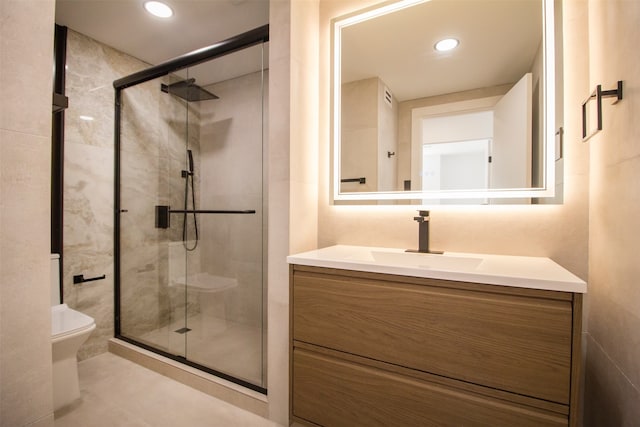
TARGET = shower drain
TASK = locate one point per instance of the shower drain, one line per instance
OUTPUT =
(182, 330)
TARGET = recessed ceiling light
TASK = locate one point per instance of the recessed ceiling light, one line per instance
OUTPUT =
(86, 118)
(446, 44)
(159, 9)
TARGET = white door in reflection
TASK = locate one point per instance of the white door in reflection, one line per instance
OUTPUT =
(456, 165)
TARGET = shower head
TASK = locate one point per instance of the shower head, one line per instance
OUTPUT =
(188, 90)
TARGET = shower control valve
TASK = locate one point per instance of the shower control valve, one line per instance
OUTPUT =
(162, 216)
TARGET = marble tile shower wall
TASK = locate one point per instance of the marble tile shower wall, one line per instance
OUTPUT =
(152, 156)
(88, 189)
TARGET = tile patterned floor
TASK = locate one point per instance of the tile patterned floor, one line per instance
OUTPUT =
(120, 393)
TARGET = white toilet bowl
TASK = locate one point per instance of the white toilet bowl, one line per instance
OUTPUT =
(69, 330)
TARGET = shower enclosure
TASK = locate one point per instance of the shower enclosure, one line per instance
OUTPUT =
(190, 202)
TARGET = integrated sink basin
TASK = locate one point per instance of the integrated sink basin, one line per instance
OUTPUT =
(399, 258)
(444, 262)
(504, 270)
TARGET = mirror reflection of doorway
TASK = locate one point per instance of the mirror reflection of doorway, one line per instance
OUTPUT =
(506, 121)
(454, 152)
(456, 165)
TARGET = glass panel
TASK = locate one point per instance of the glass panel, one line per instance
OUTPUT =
(225, 264)
(153, 135)
(194, 141)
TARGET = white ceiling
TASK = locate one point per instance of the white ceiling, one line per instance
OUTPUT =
(127, 27)
(499, 40)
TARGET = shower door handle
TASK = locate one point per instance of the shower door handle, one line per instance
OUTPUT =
(163, 212)
(206, 211)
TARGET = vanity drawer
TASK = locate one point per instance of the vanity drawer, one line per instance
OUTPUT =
(356, 395)
(511, 342)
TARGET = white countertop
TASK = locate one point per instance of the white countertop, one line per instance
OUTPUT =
(504, 270)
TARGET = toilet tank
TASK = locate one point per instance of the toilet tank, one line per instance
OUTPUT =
(55, 279)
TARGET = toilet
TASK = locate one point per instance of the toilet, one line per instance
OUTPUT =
(69, 330)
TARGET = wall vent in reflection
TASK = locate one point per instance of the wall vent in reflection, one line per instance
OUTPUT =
(388, 97)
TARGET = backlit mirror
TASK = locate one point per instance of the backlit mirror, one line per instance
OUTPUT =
(474, 124)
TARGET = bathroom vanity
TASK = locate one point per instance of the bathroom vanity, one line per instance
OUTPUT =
(384, 337)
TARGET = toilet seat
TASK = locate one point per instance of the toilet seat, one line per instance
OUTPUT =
(66, 321)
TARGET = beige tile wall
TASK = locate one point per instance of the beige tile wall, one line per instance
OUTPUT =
(279, 205)
(26, 46)
(612, 393)
(293, 173)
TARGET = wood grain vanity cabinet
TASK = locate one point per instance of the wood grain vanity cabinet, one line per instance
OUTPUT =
(372, 349)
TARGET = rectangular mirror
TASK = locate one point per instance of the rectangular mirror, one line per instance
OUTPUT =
(472, 125)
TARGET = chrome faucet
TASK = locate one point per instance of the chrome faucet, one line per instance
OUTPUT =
(423, 234)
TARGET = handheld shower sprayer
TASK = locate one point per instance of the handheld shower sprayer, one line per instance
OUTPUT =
(186, 175)
(190, 154)
(189, 172)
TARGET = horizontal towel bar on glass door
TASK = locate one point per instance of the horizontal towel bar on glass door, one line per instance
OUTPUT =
(163, 212)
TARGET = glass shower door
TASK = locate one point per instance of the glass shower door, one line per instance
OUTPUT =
(225, 248)
(154, 129)
(192, 221)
